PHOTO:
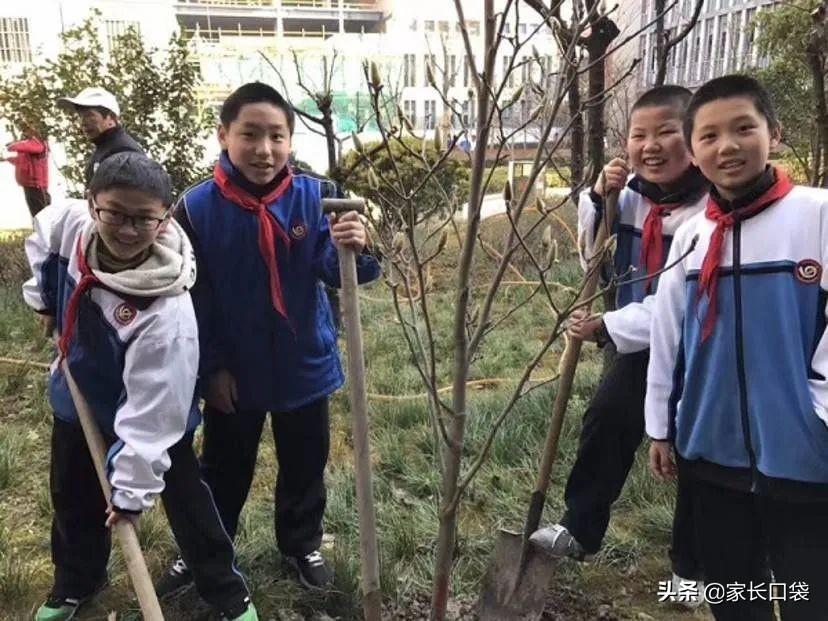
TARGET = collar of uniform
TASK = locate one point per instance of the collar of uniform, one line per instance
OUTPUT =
(235, 177)
(762, 184)
(692, 185)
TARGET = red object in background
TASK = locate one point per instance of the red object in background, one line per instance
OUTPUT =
(31, 163)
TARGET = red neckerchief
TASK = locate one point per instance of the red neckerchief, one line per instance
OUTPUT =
(652, 242)
(269, 228)
(87, 281)
(709, 276)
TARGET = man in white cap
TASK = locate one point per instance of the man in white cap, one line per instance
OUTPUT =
(98, 111)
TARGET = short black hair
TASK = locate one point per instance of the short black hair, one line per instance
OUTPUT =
(104, 112)
(255, 92)
(135, 171)
(725, 87)
(670, 95)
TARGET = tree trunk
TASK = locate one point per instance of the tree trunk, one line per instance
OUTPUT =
(815, 54)
(661, 51)
(603, 32)
(576, 134)
(453, 450)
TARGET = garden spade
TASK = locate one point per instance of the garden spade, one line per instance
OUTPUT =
(124, 529)
(518, 576)
(349, 303)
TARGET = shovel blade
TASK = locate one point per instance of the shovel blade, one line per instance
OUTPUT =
(515, 591)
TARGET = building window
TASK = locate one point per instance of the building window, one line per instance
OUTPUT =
(750, 36)
(721, 52)
(117, 28)
(413, 25)
(410, 110)
(443, 26)
(14, 40)
(452, 70)
(409, 70)
(430, 117)
(466, 71)
(508, 75)
(429, 59)
(473, 27)
(428, 25)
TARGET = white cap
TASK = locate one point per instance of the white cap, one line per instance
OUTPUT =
(93, 96)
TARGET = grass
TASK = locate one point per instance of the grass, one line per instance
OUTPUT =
(621, 584)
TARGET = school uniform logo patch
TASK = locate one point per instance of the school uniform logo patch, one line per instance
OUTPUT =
(298, 230)
(808, 271)
(125, 313)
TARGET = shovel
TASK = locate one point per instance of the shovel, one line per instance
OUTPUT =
(516, 581)
(124, 529)
(349, 302)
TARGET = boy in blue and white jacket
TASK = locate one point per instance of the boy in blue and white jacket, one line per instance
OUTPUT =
(265, 251)
(111, 276)
(665, 192)
(739, 360)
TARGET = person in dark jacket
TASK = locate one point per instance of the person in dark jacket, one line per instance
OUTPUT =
(264, 252)
(98, 111)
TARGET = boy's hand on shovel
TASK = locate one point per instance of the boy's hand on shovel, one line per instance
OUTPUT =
(113, 516)
(583, 326)
(349, 230)
(221, 392)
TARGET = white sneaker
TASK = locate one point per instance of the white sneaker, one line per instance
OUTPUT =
(558, 542)
(689, 593)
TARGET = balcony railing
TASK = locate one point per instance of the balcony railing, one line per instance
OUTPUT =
(348, 5)
(217, 34)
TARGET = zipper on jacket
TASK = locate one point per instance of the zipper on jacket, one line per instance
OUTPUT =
(740, 354)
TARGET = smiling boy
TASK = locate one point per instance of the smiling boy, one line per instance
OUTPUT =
(111, 276)
(665, 191)
(737, 377)
(265, 251)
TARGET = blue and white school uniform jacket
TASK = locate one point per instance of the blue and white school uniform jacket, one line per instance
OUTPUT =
(279, 364)
(134, 351)
(748, 407)
(629, 324)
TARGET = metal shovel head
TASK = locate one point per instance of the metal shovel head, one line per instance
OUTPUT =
(511, 592)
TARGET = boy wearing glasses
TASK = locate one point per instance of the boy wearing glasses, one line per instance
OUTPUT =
(112, 278)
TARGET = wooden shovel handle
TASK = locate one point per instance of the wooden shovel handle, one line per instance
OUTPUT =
(569, 363)
(368, 546)
(124, 529)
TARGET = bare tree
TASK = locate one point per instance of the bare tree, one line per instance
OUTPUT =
(412, 238)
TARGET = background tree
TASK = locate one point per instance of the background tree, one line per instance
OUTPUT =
(157, 92)
(794, 42)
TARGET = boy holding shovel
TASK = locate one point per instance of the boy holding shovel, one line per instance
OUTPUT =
(264, 253)
(665, 191)
(112, 277)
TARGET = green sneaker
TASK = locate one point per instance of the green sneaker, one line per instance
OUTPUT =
(249, 614)
(57, 608)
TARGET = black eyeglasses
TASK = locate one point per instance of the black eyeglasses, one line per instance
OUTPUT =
(117, 218)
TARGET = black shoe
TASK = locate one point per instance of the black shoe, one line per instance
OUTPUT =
(176, 581)
(312, 570)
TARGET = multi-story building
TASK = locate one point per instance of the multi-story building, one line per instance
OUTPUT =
(722, 41)
(236, 41)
